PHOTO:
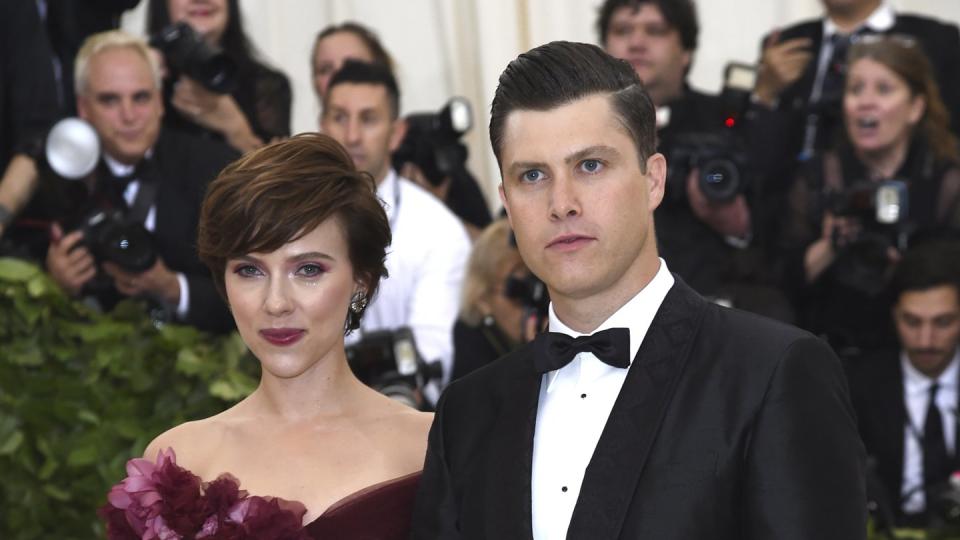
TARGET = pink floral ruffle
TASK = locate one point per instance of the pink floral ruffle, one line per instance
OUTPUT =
(164, 501)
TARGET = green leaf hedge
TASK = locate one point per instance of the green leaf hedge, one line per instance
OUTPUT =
(81, 392)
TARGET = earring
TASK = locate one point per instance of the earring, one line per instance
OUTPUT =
(358, 302)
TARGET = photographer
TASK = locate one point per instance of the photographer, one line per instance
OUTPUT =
(704, 239)
(894, 174)
(906, 395)
(503, 304)
(250, 102)
(143, 169)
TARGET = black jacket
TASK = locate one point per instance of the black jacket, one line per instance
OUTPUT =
(728, 426)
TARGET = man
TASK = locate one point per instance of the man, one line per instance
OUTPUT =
(430, 247)
(713, 424)
(799, 88)
(117, 86)
(28, 103)
(706, 242)
(906, 400)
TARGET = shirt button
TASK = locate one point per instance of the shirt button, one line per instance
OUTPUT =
(583, 396)
(564, 489)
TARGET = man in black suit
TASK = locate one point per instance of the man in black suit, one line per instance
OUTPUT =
(906, 399)
(156, 177)
(676, 418)
(798, 93)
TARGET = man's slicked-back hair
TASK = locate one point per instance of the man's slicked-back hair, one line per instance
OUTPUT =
(561, 72)
(359, 72)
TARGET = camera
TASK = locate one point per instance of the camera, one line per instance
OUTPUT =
(185, 51)
(529, 292)
(721, 159)
(388, 362)
(432, 141)
(882, 208)
(111, 239)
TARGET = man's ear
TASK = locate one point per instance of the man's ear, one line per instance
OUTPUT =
(399, 131)
(656, 179)
(503, 201)
(82, 108)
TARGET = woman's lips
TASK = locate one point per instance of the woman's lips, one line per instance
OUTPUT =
(569, 242)
(282, 336)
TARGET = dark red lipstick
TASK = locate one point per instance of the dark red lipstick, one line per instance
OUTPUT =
(282, 336)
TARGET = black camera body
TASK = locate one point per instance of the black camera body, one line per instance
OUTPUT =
(388, 361)
(722, 162)
(185, 51)
(110, 238)
(882, 209)
(432, 141)
(529, 292)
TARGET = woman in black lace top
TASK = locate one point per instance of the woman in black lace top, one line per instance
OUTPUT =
(256, 111)
(893, 176)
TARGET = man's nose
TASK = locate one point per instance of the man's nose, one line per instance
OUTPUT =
(564, 201)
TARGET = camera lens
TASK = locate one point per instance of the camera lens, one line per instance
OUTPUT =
(720, 180)
(129, 246)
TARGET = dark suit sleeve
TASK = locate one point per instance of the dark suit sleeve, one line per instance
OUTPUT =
(435, 510)
(950, 76)
(805, 462)
(207, 310)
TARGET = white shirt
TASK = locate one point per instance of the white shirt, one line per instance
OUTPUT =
(916, 395)
(150, 223)
(575, 402)
(426, 262)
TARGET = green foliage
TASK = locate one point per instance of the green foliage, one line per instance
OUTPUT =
(81, 392)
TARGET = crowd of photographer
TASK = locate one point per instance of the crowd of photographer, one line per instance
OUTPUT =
(812, 195)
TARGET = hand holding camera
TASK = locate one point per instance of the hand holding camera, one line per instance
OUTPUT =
(729, 218)
(69, 263)
(781, 65)
(157, 282)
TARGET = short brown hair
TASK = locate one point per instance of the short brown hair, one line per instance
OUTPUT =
(561, 72)
(283, 191)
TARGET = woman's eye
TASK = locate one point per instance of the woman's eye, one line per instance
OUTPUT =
(247, 270)
(591, 165)
(311, 270)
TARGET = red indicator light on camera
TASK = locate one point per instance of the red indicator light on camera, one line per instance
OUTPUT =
(730, 122)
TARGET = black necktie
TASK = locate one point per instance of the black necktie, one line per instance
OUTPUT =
(553, 350)
(936, 464)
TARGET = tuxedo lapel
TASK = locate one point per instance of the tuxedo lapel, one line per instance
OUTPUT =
(508, 499)
(621, 453)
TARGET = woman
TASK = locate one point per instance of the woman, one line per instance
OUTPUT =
(296, 240)
(897, 150)
(502, 302)
(336, 43)
(256, 111)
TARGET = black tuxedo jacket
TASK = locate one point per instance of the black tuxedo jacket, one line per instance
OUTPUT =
(876, 388)
(728, 426)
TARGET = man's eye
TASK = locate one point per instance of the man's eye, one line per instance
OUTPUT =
(311, 270)
(591, 166)
(532, 175)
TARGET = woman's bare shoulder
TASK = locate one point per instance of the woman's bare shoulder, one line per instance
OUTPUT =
(190, 440)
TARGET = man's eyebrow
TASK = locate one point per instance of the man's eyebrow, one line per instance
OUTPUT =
(601, 150)
(597, 150)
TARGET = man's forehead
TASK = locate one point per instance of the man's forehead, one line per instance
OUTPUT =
(113, 65)
(357, 96)
(938, 298)
(584, 122)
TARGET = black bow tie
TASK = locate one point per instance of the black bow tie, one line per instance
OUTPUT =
(553, 350)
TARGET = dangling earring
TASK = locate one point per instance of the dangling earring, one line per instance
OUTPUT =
(358, 302)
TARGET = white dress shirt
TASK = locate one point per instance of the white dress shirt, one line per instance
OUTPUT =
(575, 402)
(916, 390)
(150, 223)
(426, 262)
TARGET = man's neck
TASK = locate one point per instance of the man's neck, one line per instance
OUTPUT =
(665, 96)
(585, 314)
(850, 18)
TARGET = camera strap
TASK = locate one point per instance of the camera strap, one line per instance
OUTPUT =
(146, 195)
